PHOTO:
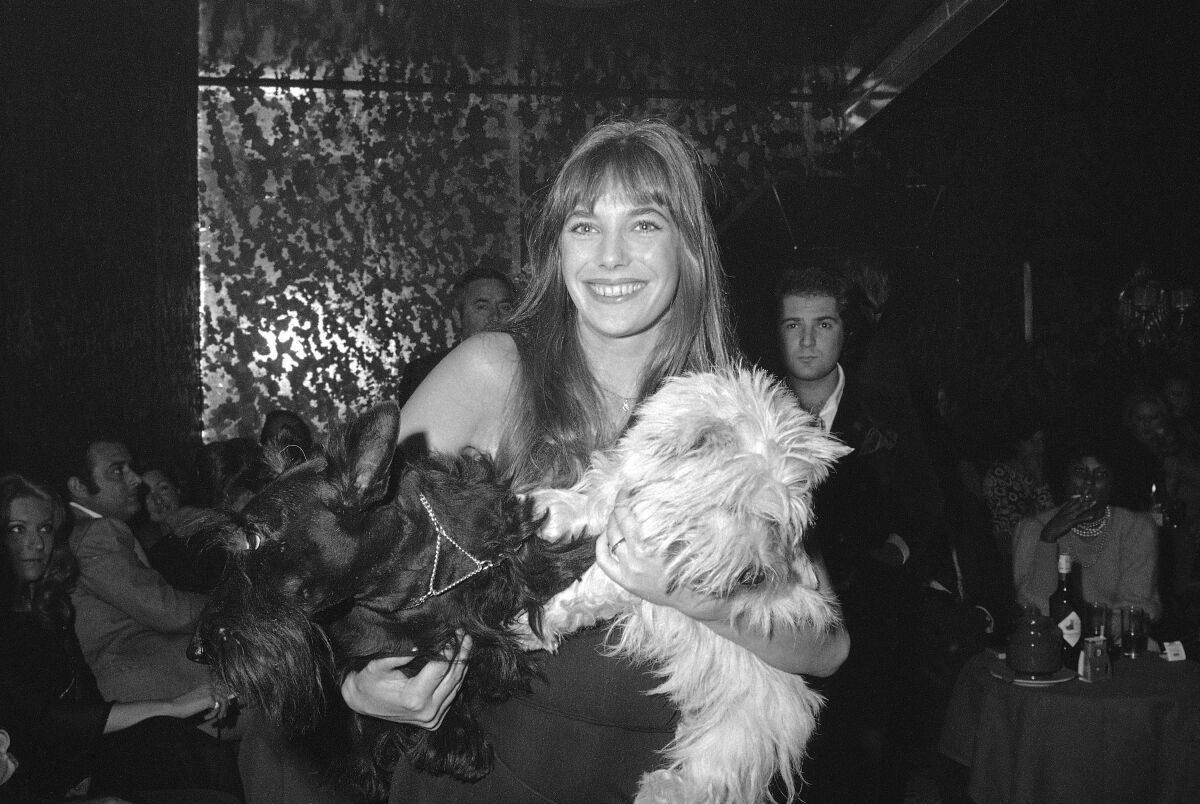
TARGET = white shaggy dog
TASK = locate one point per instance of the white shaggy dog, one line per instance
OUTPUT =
(719, 470)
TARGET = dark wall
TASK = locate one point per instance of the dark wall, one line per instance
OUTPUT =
(98, 287)
(1058, 134)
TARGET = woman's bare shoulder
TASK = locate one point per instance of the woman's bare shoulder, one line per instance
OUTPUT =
(491, 354)
(462, 401)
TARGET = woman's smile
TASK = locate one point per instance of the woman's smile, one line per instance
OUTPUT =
(616, 292)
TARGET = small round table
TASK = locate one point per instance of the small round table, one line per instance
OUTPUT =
(1132, 738)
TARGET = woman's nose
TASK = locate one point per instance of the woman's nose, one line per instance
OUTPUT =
(612, 249)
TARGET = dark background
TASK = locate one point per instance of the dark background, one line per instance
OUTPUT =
(1059, 133)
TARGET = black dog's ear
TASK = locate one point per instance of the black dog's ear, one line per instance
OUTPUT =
(370, 445)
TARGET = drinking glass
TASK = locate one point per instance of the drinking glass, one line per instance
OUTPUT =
(1095, 623)
(1133, 631)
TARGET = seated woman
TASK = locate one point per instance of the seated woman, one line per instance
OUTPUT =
(1167, 477)
(189, 563)
(68, 738)
(1117, 549)
(1015, 485)
(1177, 394)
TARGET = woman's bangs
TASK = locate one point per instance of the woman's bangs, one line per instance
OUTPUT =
(627, 173)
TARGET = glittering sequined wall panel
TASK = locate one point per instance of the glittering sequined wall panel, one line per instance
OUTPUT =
(334, 221)
(332, 225)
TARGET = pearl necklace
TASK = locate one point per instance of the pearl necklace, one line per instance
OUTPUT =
(1085, 534)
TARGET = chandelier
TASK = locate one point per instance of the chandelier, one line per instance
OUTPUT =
(1155, 314)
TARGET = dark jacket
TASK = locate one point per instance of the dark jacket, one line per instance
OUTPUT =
(886, 485)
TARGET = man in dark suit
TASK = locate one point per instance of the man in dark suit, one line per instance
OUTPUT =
(878, 527)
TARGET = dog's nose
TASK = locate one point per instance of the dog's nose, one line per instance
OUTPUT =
(195, 650)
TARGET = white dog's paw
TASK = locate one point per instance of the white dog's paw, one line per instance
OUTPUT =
(590, 600)
(529, 640)
(565, 510)
(662, 787)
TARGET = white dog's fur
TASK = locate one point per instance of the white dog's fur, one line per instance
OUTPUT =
(719, 470)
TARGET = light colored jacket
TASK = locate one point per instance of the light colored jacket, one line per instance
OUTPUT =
(133, 626)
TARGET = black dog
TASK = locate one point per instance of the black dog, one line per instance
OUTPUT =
(351, 557)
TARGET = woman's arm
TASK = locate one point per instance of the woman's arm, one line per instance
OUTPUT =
(1075, 511)
(812, 651)
(202, 699)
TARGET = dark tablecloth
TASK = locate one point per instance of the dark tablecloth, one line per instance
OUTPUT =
(1133, 738)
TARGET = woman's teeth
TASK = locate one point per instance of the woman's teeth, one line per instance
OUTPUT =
(614, 291)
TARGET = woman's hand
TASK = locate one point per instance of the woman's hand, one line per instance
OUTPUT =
(205, 699)
(381, 690)
(623, 557)
(1075, 511)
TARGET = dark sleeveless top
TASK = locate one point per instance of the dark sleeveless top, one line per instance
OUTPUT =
(49, 704)
(585, 734)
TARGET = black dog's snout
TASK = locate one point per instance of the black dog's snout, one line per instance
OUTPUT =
(195, 651)
(199, 648)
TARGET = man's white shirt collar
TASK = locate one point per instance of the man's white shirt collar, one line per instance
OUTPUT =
(830, 408)
(88, 512)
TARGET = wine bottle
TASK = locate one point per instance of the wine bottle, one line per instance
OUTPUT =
(1065, 611)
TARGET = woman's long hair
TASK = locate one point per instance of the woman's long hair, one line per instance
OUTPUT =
(51, 600)
(554, 429)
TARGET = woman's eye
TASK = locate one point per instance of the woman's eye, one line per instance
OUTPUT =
(646, 226)
(583, 228)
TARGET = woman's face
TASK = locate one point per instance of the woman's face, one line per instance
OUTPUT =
(1034, 446)
(620, 263)
(29, 537)
(162, 496)
(1091, 479)
(1148, 422)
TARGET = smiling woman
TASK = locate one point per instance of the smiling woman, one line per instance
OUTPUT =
(620, 263)
(627, 291)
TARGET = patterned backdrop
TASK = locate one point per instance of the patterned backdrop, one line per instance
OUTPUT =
(339, 204)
